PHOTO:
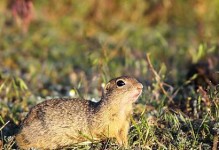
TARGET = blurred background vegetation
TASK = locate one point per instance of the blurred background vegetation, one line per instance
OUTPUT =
(73, 47)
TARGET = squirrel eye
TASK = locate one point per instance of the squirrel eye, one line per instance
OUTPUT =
(120, 83)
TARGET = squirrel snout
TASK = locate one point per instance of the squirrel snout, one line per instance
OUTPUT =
(139, 86)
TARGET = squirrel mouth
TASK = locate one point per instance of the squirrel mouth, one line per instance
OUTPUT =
(137, 94)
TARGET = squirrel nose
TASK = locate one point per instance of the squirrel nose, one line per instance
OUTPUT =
(139, 86)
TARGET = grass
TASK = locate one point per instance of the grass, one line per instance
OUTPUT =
(75, 47)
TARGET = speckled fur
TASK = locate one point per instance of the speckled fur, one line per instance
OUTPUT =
(61, 122)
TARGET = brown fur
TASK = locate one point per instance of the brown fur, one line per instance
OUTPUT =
(60, 122)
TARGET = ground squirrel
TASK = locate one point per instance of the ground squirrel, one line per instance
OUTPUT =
(62, 122)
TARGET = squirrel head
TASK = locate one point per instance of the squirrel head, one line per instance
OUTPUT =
(123, 87)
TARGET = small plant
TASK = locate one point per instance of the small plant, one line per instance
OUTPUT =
(13, 95)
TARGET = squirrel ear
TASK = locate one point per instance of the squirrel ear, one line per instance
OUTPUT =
(106, 88)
